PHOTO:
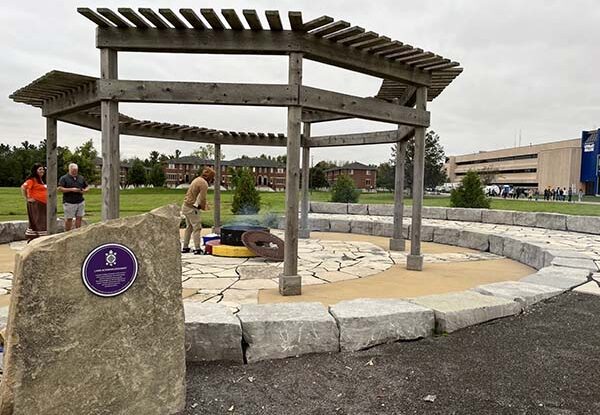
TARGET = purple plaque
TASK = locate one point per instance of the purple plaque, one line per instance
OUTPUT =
(109, 270)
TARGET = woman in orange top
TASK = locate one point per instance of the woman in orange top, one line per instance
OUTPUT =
(35, 192)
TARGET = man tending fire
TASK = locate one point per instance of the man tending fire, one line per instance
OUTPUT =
(194, 201)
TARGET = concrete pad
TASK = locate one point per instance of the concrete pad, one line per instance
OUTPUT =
(398, 282)
(522, 292)
(212, 332)
(275, 331)
(454, 311)
(559, 277)
(366, 322)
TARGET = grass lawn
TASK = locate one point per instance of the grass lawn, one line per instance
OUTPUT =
(135, 201)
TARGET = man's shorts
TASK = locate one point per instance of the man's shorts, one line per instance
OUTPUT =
(74, 210)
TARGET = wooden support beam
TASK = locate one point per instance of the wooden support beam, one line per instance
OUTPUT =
(192, 18)
(313, 116)
(296, 23)
(152, 17)
(316, 23)
(94, 17)
(133, 17)
(197, 93)
(109, 111)
(232, 18)
(304, 231)
(217, 193)
(415, 259)
(290, 282)
(113, 17)
(397, 242)
(330, 28)
(252, 19)
(367, 108)
(213, 19)
(267, 42)
(51, 173)
(274, 20)
(83, 98)
(358, 139)
(173, 18)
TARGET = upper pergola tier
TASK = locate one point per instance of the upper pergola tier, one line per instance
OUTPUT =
(323, 39)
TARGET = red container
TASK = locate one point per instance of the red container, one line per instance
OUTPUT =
(209, 245)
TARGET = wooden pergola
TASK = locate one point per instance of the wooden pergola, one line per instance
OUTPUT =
(410, 77)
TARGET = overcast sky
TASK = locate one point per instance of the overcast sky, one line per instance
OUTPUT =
(532, 67)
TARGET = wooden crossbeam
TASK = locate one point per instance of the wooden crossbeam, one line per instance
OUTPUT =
(192, 18)
(260, 42)
(113, 17)
(314, 116)
(366, 108)
(232, 19)
(441, 66)
(352, 40)
(377, 137)
(345, 33)
(173, 18)
(133, 17)
(213, 19)
(252, 19)
(82, 98)
(197, 93)
(367, 44)
(154, 18)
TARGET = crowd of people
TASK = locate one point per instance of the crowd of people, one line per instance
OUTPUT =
(562, 194)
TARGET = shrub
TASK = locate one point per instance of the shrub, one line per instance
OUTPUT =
(470, 193)
(344, 190)
(246, 199)
(156, 176)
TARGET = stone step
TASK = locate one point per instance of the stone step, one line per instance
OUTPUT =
(522, 292)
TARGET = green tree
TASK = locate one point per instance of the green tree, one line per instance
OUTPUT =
(206, 152)
(156, 176)
(246, 199)
(137, 173)
(386, 174)
(434, 161)
(344, 190)
(85, 158)
(470, 193)
(318, 178)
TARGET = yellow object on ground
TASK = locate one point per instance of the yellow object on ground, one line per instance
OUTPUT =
(232, 251)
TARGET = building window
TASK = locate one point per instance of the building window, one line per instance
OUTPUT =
(279, 170)
(368, 182)
(368, 172)
(171, 165)
(351, 171)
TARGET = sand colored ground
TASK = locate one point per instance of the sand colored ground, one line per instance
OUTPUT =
(7, 258)
(397, 282)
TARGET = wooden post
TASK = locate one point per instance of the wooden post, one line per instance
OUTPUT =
(304, 232)
(397, 242)
(111, 164)
(51, 173)
(414, 261)
(217, 186)
(289, 282)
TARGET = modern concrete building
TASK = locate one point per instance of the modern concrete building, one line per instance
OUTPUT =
(554, 164)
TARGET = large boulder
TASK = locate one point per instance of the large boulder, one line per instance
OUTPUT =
(362, 227)
(212, 332)
(464, 214)
(554, 221)
(274, 331)
(533, 255)
(512, 248)
(70, 351)
(525, 293)
(328, 207)
(586, 224)
(496, 244)
(318, 224)
(383, 229)
(339, 225)
(458, 310)
(368, 322)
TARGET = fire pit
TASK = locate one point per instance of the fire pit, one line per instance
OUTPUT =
(232, 234)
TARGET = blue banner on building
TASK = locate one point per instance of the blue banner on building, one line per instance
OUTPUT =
(590, 161)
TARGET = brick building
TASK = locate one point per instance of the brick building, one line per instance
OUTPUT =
(123, 171)
(365, 177)
(267, 173)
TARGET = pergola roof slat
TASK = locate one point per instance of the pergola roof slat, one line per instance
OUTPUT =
(192, 18)
(295, 19)
(330, 28)
(133, 17)
(232, 19)
(154, 18)
(356, 39)
(173, 18)
(441, 66)
(252, 19)
(113, 17)
(344, 33)
(213, 19)
(274, 20)
(370, 43)
(318, 22)
(406, 55)
(416, 58)
(94, 17)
